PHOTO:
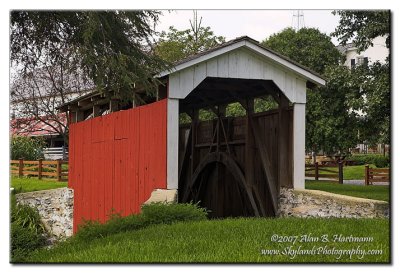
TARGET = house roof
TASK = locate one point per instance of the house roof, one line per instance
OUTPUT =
(343, 48)
(250, 43)
(35, 127)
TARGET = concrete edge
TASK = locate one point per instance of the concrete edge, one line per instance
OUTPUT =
(162, 195)
(345, 198)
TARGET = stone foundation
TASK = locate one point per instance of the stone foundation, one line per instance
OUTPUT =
(163, 195)
(314, 203)
(55, 208)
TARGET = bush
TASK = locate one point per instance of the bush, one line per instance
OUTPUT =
(382, 161)
(28, 148)
(156, 213)
(379, 161)
(27, 231)
(23, 242)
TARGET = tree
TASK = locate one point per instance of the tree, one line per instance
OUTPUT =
(36, 95)
(176, 45)
(308, 46)
(111, 48)
(363, 27)
(330, 121)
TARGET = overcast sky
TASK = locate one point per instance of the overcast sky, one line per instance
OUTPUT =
(257, 24)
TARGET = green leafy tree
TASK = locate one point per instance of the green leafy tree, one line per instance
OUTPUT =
(176, 45)
(308, 46)
(362, 26)
(330, 121)
(109, 48)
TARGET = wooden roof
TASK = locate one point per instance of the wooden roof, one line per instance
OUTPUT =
(254, 45)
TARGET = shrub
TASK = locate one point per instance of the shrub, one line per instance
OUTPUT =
(23, 242)
(155, 213)
(27, 231)
(379, 161)
(28, 148)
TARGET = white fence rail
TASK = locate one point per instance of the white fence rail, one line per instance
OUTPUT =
(55, 153)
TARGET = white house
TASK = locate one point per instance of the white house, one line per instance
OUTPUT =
(377, 52)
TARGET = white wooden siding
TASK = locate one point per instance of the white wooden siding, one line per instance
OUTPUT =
(242, 64)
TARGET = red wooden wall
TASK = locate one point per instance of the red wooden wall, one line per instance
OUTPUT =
(117, 160)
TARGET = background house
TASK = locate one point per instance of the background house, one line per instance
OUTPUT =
(377, 52)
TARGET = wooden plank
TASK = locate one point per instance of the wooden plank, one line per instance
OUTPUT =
(86, 178)
(30, 162)
(374, 171)
(383, 170)
(14, 161)
(135, 144)
(326, 170)
(383, 179)
(266, 165)
(49, 174)
(101, 181)
(52, 162)
(328, 175)
(117, 177)
(27, 168)
(31, 172)
(109, 151)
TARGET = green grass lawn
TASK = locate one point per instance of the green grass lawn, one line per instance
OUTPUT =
(377, 192)
(33, 184)
(238, 240)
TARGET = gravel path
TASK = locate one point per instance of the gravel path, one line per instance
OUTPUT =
(354, 182)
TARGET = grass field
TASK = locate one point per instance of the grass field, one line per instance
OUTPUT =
(376, 192)
(349, 172)
(33, 184)
(240, 240)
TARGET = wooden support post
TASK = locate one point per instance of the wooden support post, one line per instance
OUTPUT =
(195, 121)
(299, 141)
(79, 116)
(340, 171)
(40, 168)
(113, 105)
(58, 170)
(366, 175)
(96, 110)
(316, 171)
(249, 152)
(21, 167)
(283, 144)
(222, 110)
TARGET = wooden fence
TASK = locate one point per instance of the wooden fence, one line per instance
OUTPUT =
(376, 175)
(40, 168)
(314, 170)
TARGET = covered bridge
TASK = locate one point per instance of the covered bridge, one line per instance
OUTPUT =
(233, 165)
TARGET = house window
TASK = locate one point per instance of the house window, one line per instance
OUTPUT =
(353, 63)
(361, 60)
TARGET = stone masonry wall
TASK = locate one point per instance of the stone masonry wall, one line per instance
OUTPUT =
(314, 203)
(55, 208)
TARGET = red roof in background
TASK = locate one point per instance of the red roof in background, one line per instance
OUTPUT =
(34, 127)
